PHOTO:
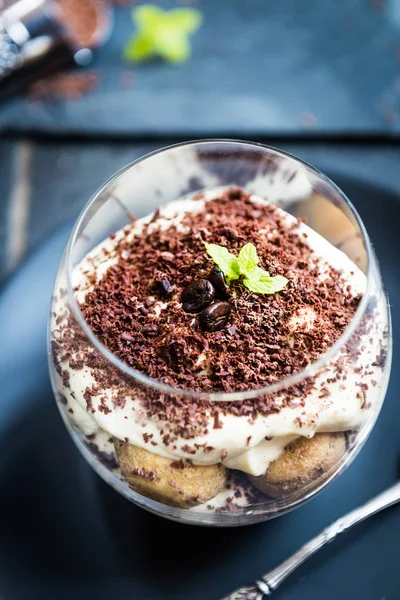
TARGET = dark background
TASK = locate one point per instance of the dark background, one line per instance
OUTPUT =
(319, 78)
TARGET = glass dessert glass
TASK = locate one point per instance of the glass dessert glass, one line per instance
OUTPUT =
(83, 370)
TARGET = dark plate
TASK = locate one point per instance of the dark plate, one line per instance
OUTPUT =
(66, 534)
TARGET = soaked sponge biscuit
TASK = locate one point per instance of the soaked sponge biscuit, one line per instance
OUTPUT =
(301, 463)
(176, 483)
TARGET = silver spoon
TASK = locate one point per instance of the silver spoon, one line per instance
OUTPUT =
(269, 582)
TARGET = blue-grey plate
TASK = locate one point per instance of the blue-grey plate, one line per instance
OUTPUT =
(65, 534)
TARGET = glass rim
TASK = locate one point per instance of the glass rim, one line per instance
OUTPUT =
(143, 379)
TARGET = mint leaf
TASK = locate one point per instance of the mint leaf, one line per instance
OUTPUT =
(173, 45)
(187, 20)
(226, 261)
(260, 282)
(247, 258)
(259, 273)
(139, 48)
(162, 33)
(254, 278)
(147, 15)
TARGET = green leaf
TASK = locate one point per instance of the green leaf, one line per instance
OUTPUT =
(226, 261)
(187, 20)
(254, 278)
(259, 273)
(162, 33)
(173, 46)
(147, 15)
(139, 48)
(247, 258)
(263, 283)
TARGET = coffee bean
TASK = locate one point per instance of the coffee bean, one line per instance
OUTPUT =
(215, 316)
(217, 278)
(164, 287)
(197, 295)
(231, 233)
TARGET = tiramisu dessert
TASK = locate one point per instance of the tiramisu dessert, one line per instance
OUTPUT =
(219, 293)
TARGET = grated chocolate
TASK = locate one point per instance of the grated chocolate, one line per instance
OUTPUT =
(257, 348)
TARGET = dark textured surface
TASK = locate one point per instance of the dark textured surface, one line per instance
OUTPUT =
(66, 534)
(66, 176)
(257, 68)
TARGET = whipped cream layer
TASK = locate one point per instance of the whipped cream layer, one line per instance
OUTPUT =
(240, 442)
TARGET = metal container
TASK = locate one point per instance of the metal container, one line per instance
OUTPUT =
(35, 41)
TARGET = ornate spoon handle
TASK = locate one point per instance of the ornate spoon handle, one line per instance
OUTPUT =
(271, 580)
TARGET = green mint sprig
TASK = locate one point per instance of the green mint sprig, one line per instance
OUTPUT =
(245, 265)
(162, 33)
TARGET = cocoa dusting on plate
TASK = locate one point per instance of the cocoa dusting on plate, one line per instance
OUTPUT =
(64, 86)
(84, 22)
